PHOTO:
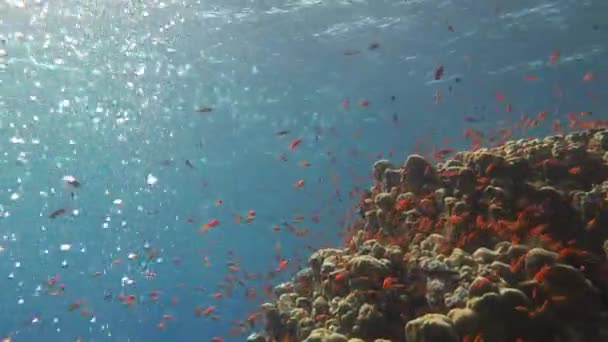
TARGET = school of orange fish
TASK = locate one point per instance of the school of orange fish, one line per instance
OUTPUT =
(507, 241)
(504, 242)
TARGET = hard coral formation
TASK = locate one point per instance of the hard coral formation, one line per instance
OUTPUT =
(499, 244)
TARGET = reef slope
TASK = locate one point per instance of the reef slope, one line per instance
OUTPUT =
(498, 244)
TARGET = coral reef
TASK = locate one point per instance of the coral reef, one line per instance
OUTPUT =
(498, 244)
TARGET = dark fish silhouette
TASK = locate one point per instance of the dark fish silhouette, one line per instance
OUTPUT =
(204, 110)
(470, 118)
(351, 52)
(57, 212)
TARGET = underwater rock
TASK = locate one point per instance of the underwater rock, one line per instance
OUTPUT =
(320, 306)
(484, 255)
(317, 258)
(430, 328)
(274, 326)
(601, 138)
(302, 283)
(304, 325)
(303, 303)
(391, 178)
(370, 322)
(417, 172)
(481, 286)
(537, 258)
(367, 266)
(384, 201)
(459, 258)
(380, 167)
(283, 288)
(466, 321)
(325, 335)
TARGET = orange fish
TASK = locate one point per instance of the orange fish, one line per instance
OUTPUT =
(588, 76)
(299, 184)
(219, 202)
(282, 265)
(294, 143)
(388, 282)
(210, 224)
(74, 306)
(304, 163)
(554, 57)
(208, 310)
(576, 170)
(541, 116)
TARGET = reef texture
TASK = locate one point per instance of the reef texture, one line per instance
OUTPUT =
(499, 244)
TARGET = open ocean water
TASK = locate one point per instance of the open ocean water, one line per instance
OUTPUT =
(164, 164)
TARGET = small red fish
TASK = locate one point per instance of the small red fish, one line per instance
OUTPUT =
(211, 223)
(588, 76)
(74, 306)
(576, 170)
(299, 184)
(294, 143)
(388, 282)
(53, 280)
(363, 103)
(438, 73)
(541, 116)
(282, 265)
(554, 57)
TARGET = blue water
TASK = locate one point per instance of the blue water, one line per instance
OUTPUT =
(107, 91)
